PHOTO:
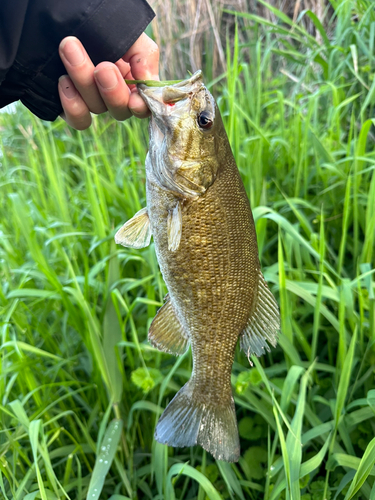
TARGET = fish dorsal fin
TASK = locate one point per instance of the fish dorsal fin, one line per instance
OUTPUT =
(174, 227)
(263, 324)
(136, 233)
(166, 332)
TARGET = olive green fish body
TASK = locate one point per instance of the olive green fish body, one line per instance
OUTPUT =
(200, 218)
(208, 276)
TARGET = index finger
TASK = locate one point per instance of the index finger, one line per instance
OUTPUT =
(143, 58)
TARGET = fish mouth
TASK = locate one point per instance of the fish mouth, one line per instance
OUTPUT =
(190, 81)
(167, 104)
(158, 99)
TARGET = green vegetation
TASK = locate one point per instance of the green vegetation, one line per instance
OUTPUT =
(153, 83)
(81, 389)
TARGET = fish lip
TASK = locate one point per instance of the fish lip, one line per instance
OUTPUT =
(189, 81)
(153, 96)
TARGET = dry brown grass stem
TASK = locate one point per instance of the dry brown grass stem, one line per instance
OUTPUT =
(192, 32)
(187, 31)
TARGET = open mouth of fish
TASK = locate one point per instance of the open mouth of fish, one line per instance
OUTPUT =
(158, 98)
(168, 100)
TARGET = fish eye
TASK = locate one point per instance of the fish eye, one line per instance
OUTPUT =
(204, 121)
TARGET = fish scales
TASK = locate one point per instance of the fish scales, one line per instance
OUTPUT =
(205, 241)
(215, 263)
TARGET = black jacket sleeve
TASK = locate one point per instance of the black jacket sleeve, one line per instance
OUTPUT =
(30, 34)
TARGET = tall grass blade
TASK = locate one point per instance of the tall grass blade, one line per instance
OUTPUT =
(104, 459)
(342, 391)
(365, 467)
(187, 470)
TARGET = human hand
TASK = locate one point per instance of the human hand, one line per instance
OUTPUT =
(89, 89)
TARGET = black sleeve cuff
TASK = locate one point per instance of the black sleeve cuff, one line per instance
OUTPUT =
(111, 30)
(106, 33)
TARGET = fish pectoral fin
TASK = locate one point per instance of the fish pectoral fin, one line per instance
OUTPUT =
(263, 324)
(166, 332)
(136, 232)
(174, 227)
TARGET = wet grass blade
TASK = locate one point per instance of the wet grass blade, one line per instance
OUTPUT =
(104, 459)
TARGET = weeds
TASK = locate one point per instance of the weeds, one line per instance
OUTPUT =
(81, 388)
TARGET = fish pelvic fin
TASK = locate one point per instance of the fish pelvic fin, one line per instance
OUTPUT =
(136, 232)
(264, 322)
(188, 421)
(166, 332)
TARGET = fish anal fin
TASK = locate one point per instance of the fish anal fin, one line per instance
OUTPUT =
(264, 322)
(166, 332)
(136, 232)
(174, 228)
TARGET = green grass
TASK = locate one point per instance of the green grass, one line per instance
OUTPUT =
(81, 389)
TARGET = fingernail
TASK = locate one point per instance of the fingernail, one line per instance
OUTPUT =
(67, 87)
(73, 52)
(106, 77)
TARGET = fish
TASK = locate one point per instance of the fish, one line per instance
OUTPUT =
(199, 216)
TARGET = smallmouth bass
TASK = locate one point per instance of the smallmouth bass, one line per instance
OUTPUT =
(200, 218)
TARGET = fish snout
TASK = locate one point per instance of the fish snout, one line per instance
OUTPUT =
(160, 100)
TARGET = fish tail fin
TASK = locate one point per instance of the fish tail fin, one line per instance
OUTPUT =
(188, 420)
